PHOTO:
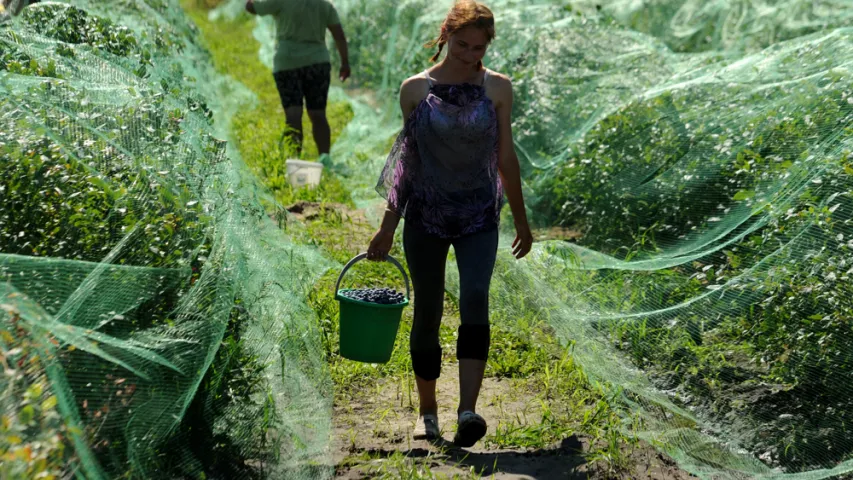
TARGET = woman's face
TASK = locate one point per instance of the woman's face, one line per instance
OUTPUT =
(468, 45)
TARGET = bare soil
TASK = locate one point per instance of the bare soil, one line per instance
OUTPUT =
(379, 421)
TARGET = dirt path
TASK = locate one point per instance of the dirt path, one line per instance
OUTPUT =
(373, 431)
(382, 424)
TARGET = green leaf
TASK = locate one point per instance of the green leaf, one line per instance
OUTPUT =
(744, 195)
(26, 415)
(735, 261)
(33, 392)
(49, 404)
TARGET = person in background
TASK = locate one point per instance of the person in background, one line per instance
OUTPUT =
(446, 174)
(301, 66)
(14, 7)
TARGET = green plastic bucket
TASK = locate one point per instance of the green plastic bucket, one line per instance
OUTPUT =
(368, 330)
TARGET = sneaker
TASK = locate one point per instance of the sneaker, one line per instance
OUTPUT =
(470, 428)
(426, 428)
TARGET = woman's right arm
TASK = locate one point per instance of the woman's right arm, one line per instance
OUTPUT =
(383, 239)
(408, 97)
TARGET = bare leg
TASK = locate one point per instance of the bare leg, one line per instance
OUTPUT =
(321, 130)
(470, 380)
(426, 394)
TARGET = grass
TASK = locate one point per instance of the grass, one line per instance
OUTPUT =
(398, 465)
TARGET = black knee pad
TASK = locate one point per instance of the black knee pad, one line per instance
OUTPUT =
(473, 342)
(427, 363)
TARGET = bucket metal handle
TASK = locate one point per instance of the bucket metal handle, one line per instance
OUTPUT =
(362, 256)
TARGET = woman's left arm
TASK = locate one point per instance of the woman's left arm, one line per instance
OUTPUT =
(508, 165)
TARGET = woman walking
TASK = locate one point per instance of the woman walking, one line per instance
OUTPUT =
(446, 174)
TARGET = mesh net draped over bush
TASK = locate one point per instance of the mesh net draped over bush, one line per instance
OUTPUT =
(153, 320)
(702, 148)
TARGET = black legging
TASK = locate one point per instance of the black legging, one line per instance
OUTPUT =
(427, 255)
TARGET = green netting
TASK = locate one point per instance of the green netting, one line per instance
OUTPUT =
(701, 148)
(153, 314)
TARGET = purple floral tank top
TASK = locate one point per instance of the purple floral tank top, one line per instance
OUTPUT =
(442, 172)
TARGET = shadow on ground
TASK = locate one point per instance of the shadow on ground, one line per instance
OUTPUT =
(563, 462)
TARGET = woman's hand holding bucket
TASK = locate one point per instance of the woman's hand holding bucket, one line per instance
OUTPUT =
(383, 239)
(380, 245)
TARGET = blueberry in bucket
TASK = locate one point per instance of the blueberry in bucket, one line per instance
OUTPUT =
(381, 296)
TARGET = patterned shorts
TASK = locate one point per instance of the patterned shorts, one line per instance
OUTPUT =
(311, 82)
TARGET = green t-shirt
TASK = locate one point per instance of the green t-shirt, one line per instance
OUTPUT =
(301, 30)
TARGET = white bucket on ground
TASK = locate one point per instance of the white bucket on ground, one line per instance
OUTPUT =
(301, 173)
